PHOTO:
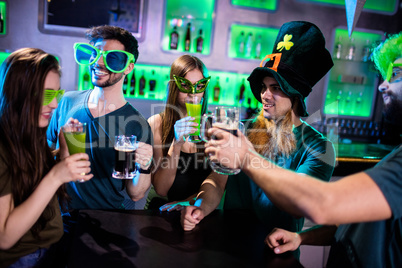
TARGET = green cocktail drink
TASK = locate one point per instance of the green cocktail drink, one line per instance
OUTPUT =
(74, 134)
(75, 142)
(194, 110)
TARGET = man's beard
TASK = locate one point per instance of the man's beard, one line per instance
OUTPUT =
(393, 111)
(113, 79)
(273, 138)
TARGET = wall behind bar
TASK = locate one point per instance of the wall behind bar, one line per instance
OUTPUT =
(23, 31)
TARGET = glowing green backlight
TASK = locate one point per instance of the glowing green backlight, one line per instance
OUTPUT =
(388, 6)
(352, 81)
(3, 17)
(268, 4)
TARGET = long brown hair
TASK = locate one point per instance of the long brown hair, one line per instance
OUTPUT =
(28, 156)
(180, 67)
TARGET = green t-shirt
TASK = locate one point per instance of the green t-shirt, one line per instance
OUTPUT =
(52, 232)
(314, 156)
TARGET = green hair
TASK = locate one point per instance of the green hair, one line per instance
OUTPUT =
(387, 52)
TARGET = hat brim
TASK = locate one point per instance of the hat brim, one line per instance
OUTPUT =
(257, 76)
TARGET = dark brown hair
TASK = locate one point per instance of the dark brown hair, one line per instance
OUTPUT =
(108, 32)
(29, 158)
(180, 67)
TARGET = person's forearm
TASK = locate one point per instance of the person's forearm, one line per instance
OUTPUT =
(320, 235)
(137, 187)
(211, 193)
(165, 174)
(297, 194)
(24, 216)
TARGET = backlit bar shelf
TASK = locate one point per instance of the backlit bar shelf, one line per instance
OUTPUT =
(151, 82)
(3, 18)
(251, 42)
(261, 5)
(352, 84)
(388, 7)
(188, 28)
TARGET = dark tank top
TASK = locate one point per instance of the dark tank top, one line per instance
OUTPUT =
(192, 170)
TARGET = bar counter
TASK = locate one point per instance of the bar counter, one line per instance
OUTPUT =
(147, 238)
(356, 157)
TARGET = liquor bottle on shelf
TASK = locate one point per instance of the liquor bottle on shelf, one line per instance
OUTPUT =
(366, 52)
(125, 85)
(258, 47)
(187, 39)
(241, 91)
(338, 48)
(141, 88)
(132, 84)
(174, 38)
(1, 22)
(199, 42)
(249, 45)
(249, 110)
(351, 50)
(86, 81)
(241, 44)
(217, 90)
(152, 84)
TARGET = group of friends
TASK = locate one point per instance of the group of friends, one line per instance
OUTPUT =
(286, 164)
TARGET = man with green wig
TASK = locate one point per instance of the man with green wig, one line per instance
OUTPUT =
(362, 213)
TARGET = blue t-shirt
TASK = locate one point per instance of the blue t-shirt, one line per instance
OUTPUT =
(377, 243)
(102, 191)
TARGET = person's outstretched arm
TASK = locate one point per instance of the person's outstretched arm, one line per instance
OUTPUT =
(355, 198)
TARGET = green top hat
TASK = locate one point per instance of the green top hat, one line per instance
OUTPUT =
(298, 61)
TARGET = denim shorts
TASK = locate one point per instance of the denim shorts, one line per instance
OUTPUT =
(30, 260)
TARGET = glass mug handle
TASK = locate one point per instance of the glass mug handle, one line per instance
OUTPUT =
(206, 119)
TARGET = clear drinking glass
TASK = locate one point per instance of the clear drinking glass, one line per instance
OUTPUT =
(194, 107)
(227, 119)
(124, 148)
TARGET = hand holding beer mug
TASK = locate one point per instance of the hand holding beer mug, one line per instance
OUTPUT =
(227, 119)
(75, 134)
(194, 107)
(124, 148)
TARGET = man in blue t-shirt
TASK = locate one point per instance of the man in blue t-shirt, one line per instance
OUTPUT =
(366, 206)
(299, 60)
(110, 55)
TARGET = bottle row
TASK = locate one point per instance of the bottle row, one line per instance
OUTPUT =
(175, 38)
(349, 51)
(151, 82)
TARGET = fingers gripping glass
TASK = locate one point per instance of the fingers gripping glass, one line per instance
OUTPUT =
(390, 71)
(50, 94)
(186, 86)
(115, 60)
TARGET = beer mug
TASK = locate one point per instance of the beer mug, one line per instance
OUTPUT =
(124, 148)
(227, 119)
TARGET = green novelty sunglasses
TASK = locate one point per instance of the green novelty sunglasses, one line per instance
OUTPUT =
(50, 94)
(186, 86)
(390, 70)
(115, 60)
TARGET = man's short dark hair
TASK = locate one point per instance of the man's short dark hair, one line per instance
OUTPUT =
(114, 33)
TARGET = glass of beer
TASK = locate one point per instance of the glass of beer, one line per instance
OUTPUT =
(74, 135)
(194, 107)
(124, 148)
(227, 119)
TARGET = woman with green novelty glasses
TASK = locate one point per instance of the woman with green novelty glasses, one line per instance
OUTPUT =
(180, 165)
(31, 180)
